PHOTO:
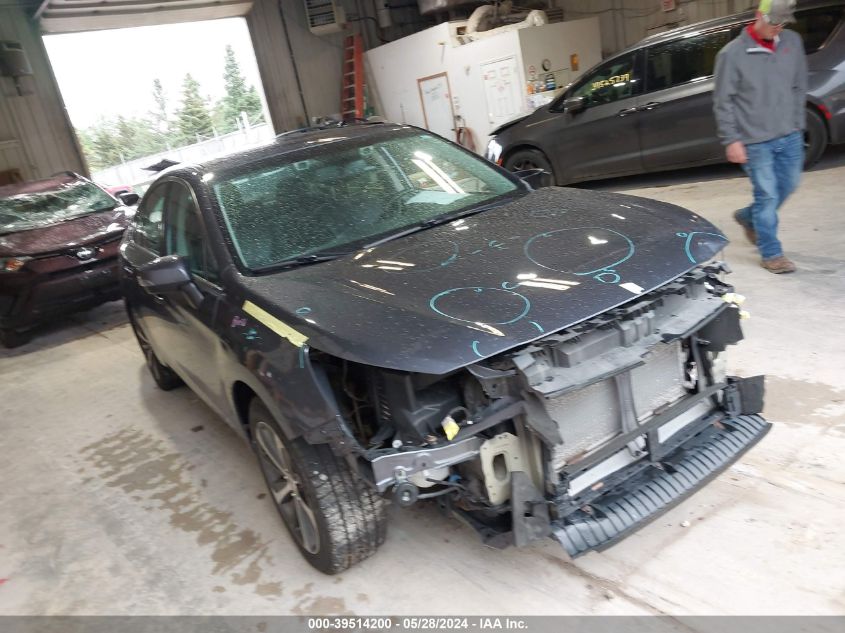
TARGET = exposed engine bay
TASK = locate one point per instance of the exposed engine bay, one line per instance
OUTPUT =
(582, 435)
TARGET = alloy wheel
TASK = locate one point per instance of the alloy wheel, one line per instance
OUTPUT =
(285, 488)
(525, 163)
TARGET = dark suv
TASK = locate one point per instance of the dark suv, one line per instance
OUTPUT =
(58, 251)
(650, 107)
(381, 312)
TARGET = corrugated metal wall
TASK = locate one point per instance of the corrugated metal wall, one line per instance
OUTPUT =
(35, 134)
(625, 22)
(285, 48)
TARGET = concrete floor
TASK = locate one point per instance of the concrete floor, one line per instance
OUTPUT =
(122, 499)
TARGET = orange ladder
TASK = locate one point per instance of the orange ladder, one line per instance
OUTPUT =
(352, 93)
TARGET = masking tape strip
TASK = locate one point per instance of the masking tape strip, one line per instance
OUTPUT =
(268, 320)
(450, 427)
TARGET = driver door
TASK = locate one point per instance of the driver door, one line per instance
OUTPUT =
(603, 139)
(194, 328)
(145, 244)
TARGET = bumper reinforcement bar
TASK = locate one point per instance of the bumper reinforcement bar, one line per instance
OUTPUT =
(646, 496)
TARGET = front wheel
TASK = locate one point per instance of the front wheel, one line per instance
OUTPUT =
(815, 138)
(336, 519)
(164, 377)
(531, 159)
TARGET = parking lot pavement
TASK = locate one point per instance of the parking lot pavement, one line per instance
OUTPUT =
(122, 499)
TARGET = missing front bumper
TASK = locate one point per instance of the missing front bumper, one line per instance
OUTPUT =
(638, 500)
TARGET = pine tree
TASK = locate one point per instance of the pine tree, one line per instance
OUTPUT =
(160, 121)
(87, 142)
(126, 136)
(137, 137)
(239, 97)
(193, 121)
(105, 147)
(253, 107)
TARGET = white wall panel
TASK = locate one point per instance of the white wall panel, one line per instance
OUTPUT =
(395, 69)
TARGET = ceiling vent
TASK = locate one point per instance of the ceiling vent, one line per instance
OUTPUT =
(324, 16)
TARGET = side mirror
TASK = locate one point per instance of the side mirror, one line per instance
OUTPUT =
(128, 198)
(169, 274)
(536, 178)
(574, 105)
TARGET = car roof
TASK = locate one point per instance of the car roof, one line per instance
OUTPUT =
(706, 25)
(39, 186)
(288, 142)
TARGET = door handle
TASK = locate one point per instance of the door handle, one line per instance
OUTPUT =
(627, 111)
(651, 105)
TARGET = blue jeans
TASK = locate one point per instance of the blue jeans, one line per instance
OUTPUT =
(774, 168)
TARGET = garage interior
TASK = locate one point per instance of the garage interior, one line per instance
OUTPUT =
(121, 499)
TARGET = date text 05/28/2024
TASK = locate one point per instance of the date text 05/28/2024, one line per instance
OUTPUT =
(416, 623)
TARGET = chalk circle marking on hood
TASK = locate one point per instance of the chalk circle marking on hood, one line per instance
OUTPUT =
(612, 241)
(462, 301)
(688, 244)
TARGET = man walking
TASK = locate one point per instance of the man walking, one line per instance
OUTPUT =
(759, 103)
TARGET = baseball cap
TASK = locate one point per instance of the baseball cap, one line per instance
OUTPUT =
(777, 12)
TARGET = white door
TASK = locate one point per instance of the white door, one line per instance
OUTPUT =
(502, 89)
(437, 105)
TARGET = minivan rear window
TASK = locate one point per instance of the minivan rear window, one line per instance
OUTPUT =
(687, 59)
(817, 25)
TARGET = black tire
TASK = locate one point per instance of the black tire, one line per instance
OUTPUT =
(531, 159)
(12, 338)
(164, 377)
(346, 520)
(815, 138)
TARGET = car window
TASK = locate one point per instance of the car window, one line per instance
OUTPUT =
(612, 81)
(149, 220)
(185, 233)
(687, 59)
(348, 192)
(817, 25)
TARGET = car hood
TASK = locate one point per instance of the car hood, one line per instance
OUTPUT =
(451, 295)
(509, 124)
(85, 229)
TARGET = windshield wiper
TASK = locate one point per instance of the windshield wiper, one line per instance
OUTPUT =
(464, 213)
(442, 219)
(301, 260)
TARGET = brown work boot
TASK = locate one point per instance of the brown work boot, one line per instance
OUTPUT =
(778, 265)
(750, 233)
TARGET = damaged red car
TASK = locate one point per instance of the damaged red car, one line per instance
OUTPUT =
(58, 251)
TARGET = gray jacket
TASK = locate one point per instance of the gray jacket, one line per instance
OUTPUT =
(760, 95)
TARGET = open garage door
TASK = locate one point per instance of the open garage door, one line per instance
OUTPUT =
(67, 16)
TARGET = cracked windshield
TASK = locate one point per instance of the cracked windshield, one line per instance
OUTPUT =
(70, 200)
(336, 201)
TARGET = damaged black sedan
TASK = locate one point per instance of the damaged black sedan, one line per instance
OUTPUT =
(383, 314)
